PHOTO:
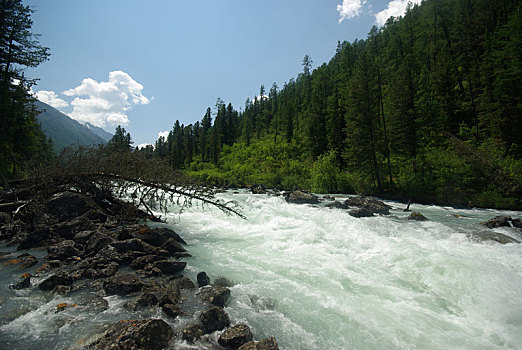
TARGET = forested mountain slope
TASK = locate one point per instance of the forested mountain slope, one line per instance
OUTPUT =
(427, 107)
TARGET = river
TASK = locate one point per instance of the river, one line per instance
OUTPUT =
(317, 278)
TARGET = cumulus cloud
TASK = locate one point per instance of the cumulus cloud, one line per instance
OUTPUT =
(143, 145)
(349, 9)
(106, 102)
(163, 134)
(395, 8)
(51, 98)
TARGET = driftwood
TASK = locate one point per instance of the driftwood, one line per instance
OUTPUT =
(11, 206)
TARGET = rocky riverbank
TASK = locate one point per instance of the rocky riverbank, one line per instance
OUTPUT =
(99, 245)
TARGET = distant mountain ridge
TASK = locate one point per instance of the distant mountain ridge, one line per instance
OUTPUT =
(99, 131)
(66, 131)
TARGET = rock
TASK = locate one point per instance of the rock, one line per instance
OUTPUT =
(360, 213)
(142, 261)
(168, 233)
(148, 235)
(416, 216)
(172, 310)
(191, 333)
(492, 236)
(146, 299)
(214, 319)
(265, 344)
(62, 290)
(203, 279)
(329, 198)
(110, 270)
(497, 221)
(169, 267)
(97, 242)
(300, 197)
(69, 228)
(517, 223)
(172, 246)
(336, 205)
(223, 282)
(133, 244)
(236, 336)
(373, 205)
(66, 205)
(107, 255)
(153, 334)
(25, 283)
(56, 280)
(123, 285)
(186, 283)
(5, 218)
(62, 250)
(215, 295)
(28, 262)
(258, 189)
(83, 237)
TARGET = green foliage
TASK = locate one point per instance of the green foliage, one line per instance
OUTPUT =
(325, 173)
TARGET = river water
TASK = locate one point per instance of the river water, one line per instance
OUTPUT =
(317, 278)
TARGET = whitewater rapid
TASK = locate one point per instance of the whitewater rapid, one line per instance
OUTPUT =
(317, 278)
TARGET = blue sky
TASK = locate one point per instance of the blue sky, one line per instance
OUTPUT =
(144, 64)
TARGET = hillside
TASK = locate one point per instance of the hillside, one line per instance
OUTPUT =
(63, 130)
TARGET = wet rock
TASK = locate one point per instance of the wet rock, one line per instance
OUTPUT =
(5, 218)
(25, 283)
(236, 336)
(360, 213)
(497, 221)
(97, 242)
(95, 302)
(133, 244)
(153, 334)
(123, 285)
(28, 262)
(300, 197)
(203, 279)
(62, 290)
(56, 280)
(28, 240)
(214, 319)
(169, 294)
(62, 250)
(186, 283)
(142, 261)
(66, 205)
(83, 237)
(416, 216)
(107, 255)
(371, 204)
(258, 189)
(215, 295)
(265, 344)
(173, 310)
(145, 299)
(223, 282)
(517, 223)
(148, 235)
(168, 233)
(172, 246)
(169, 267)
(68, 229)
(191, 333)
(336, 205)
(106, 271)
(492, 236)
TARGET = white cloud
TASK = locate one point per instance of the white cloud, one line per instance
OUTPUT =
(349, 9)
(143, 145)
(106, 102)
(163, 134)
(395, 8)
(51, 98)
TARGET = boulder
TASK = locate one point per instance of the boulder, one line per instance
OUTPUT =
(133, 244)
(152, 334)
(172, 310)
(56, 280)
(236, 336)
(108, 271)
(5, 218)
(300, 197)
(360, 213)
(97, 242)
(145, 299)
(142, 261)
(336, 205)
(191, 333)
(25, 283)
(416, 216)
(258, 189)
(62, 250)
(67, 205)
(148, 235)
(28, 262)
(215, 295)
(186, 283)
(214, 319)
(123, 285)
(173, 246)
(517, 223)
(203, 279)
(107, 255)
(371, 204)
(169, 267)
(83, 237)
(69, 228)
(265, 344)
(168, 233)
(497, 221)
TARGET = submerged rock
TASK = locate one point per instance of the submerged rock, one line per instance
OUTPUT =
(497, 221)
(192, 332)
(416, 216)
(492, 236)
(360, 213)
(153, 334)
(215, 295)
(236, 336)
(337, 205)
(25, 283)
(371, 204)
(172, 310)
(300, 197)
(214, 319)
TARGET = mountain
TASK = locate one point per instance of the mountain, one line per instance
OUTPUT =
(63, 130)
(99, 131)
